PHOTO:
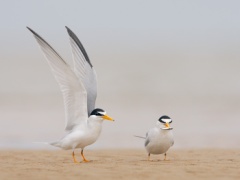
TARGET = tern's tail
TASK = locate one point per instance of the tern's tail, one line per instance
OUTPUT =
(140, 137)
(42, 143)
(56, 144)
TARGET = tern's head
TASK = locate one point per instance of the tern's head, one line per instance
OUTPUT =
(163, 122)
(100, 115)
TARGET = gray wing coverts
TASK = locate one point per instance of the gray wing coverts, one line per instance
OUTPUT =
(147, 140)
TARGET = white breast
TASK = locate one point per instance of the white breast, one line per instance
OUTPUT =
(159, 141)
(81, 138)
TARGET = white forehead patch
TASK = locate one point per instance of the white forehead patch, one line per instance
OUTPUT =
(103, 113)
(167, 120)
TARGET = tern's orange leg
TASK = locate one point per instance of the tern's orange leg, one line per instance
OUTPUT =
(165, 157)
(148, 156)
(74, 159)
(84, 159)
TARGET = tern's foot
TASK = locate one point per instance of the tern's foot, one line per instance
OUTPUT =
(74, 159)
(167, 160)
(165, 157)
(85, 161)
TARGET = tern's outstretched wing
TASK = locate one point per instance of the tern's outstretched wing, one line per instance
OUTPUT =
(84, 70)
(74, 93)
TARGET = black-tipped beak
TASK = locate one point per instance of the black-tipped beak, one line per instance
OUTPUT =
(106, 117)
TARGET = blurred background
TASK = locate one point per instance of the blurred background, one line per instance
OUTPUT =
(179, 58)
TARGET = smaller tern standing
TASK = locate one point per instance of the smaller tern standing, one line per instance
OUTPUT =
(160, 138)
(79, 90)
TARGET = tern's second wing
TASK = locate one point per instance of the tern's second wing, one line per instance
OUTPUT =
(84, 70)
(74, 93)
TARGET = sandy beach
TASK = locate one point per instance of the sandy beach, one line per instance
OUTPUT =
(121, 164)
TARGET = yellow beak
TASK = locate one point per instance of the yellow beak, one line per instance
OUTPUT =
(106, 117)
(167, 125)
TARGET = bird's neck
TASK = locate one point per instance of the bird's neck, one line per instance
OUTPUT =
(94, 125)
(164, 131)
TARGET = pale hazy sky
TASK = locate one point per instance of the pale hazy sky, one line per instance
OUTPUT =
(200, 38)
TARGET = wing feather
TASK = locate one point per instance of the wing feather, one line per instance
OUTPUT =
(74, 92)
(84, 70)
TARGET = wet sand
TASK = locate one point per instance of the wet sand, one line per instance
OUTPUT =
(121, 164)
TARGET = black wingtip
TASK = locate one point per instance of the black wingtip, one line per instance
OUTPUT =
(38, 37)
(68, 30)
(29, 28)
(32, 31)
(79, 44)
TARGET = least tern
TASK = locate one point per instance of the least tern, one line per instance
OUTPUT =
(79, 90)
(160, 138)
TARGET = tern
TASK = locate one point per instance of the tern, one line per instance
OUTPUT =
(79, 89)
(159, 139)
